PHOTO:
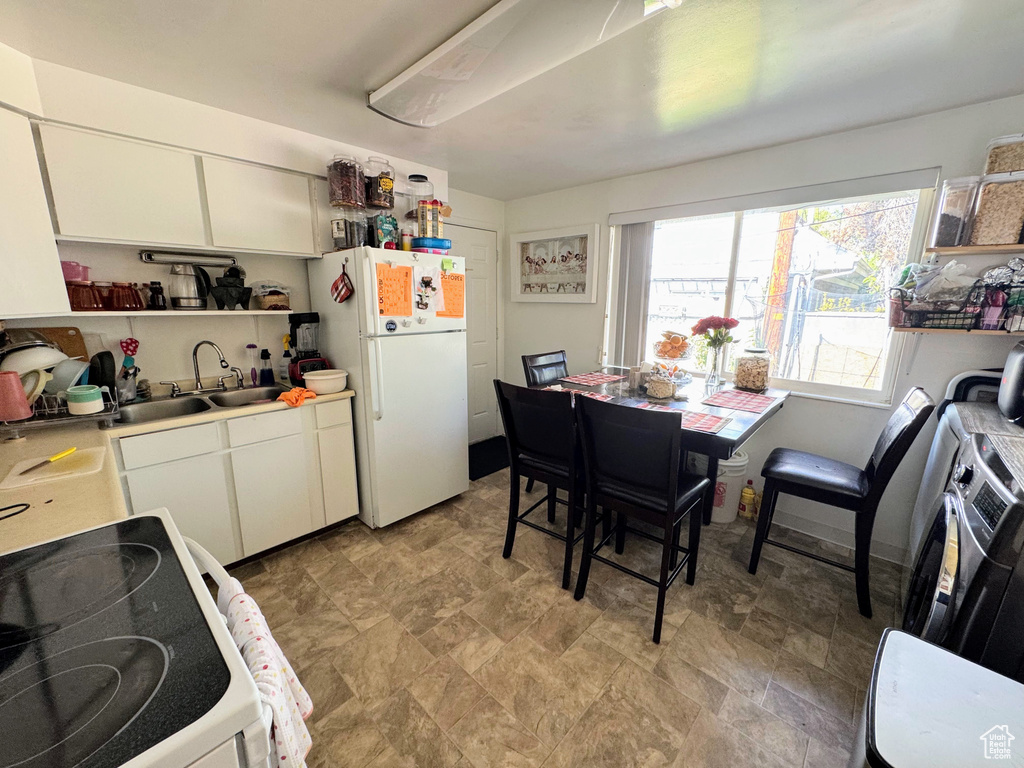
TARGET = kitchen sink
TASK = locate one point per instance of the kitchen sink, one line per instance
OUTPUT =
(236, 397)
(155, 410)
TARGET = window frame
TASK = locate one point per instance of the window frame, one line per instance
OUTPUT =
(882, 396)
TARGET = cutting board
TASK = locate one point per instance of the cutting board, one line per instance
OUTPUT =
(70, 340)
(84, 462)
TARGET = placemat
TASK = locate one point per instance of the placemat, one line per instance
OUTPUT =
(741, 401)
(596, 396)
(700, 422)
(592, 379)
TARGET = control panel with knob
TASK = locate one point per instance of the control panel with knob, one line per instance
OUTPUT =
(963, 474)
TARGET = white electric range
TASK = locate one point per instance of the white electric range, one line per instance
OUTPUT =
(113, 653)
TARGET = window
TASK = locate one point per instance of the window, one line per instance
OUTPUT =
(809, 282)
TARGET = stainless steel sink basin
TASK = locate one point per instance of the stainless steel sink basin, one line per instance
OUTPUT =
(155, 410)
(238, 397)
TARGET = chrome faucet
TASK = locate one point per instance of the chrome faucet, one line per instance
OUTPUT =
(221, 386)
(195, 363)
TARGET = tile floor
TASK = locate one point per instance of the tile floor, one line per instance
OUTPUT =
(421, 646)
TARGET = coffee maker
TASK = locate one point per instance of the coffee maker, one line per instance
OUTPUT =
(305, 345)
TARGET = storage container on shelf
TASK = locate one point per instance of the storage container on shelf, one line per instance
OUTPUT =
(1005, 154)
(753, 367)
(380, 183)
(955, 211)
(348, 228)
(999, 210)
(420, 188)
(346, 181)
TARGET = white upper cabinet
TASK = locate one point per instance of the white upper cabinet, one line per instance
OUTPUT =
(257, 208)
(114, 189)
(32, 283)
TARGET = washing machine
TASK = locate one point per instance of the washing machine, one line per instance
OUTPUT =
(967, 387)
(966, 590)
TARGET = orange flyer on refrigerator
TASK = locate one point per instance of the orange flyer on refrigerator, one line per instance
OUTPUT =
(394, 291)
(453, 285)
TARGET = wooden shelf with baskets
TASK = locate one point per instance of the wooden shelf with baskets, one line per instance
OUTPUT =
(972, 331)
(978, 250)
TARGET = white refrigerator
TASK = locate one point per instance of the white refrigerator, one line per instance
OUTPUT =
(407, 366)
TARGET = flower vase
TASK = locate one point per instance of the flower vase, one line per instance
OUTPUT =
(712, 381)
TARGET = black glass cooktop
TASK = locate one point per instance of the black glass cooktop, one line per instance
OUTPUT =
(104, 651)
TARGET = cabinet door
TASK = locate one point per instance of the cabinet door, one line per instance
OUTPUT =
(32, 283)
(338, 466)
(272, 493)
(115, 189)
(258, 208)
(195, 490)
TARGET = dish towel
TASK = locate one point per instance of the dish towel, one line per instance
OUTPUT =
(296, 396)
(278, 686)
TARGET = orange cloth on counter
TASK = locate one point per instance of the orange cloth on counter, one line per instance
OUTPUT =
(296, 396)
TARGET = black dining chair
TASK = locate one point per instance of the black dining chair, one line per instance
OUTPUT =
(540, 429)
(842, 485)
(632, 467)
(546, 368)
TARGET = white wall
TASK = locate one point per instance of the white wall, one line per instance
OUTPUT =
(17, 81)
(954, 140)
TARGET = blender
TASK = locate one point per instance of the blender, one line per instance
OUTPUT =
(305, 332)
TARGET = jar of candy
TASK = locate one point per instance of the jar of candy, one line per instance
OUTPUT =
(752, 369)
(346, 181)
(380, 183)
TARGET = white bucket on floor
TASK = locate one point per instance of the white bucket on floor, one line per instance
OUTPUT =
(732, 476)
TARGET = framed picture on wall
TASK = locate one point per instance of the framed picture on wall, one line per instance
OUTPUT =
(555, 265)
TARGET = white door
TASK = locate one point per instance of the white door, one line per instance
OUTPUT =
(273, 497)
(31, 282)
(195, 492)
(338, 469)
(480, 250)
(418, 422)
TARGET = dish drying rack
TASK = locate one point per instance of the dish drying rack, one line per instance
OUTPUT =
(52, 411)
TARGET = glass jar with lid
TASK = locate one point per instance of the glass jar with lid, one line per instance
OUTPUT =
(348, 228)
(753, 366)
(380, 183)
(346, 181)
(420, 188)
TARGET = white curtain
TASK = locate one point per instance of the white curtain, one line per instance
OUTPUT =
(636, 246)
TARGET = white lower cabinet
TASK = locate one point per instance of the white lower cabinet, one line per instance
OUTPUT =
(246, 484)
(195, 491)
(338, 465)
(273, 500)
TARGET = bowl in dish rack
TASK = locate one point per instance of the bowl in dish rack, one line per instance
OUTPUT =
(326, 382)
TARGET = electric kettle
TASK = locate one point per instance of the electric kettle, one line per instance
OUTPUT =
(188, 287)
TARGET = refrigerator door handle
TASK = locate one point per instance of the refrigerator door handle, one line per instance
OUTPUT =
(378, 383)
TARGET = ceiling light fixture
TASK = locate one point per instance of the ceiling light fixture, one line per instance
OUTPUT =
(514, 41)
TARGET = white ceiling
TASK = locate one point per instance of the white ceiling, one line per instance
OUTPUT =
(710, 78)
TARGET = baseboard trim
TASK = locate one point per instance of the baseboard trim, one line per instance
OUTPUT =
(835, 535)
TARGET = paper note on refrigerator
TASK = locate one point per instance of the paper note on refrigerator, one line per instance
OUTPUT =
(394, 290)
(453, 286)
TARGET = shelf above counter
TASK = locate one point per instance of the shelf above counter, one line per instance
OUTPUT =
(977, 250)
(185, 250)
(972, 331)
(181, 313)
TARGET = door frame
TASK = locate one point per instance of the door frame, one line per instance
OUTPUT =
(500, 286)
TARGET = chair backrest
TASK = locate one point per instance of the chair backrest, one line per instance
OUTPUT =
(539, 423)
(898, 435)
(630, 447)
(545, 368)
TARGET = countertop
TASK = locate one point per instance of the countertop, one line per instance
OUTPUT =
(64, 506)
(215, 414)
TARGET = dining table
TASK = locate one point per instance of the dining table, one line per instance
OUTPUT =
(738, 427)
